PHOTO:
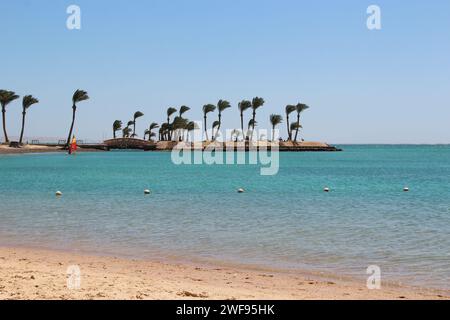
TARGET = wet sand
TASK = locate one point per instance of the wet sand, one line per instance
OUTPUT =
(41, 274)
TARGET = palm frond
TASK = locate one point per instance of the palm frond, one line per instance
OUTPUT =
(184, 109)
(215, 124)
(257, 102)
(295, 126)
(137, 114)
(244, 105)
(222, 105)
(275, 119)
(7, 97)
(207, 108)
(171, 111)
(290, 108)
(79, 95)
(28, 101)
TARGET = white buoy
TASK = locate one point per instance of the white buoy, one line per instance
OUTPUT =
(146, 191)
(326, 189)
(58, 193)
(406, 189)
(240, 190)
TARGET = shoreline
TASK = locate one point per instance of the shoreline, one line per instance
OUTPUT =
(27, 273)
(5, 150)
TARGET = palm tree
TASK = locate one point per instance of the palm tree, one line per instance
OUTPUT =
(251, 125)
(27, 102)
(214, 125)
(170, 111)
(163, 131)
(6, 97)
(295, 126)
(78, 96)
(179, 124)
(300, 107)
(289, 109)
(117, 125)
(275, 119)
(191, 126)
(243, 105)
(183, 109)
(256, 103)
(221, 106)
(153, 125)
(136, 115)
(146, 132)
(207, 108)
(126, 132)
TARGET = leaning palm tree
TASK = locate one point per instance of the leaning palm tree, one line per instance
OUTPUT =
(243, 105)
(136, 115)
(191, 126)
(146, 132)
(178, 125)
(183, 109)
(153, 125)
(6, 97)
(256, 103)
(275, 119)
(221, 106)
(207, 108)
(289, 109)
(164, 131)
(295, 126)
(215, 125)
(117, 125)
(251, 125)
(170, 111)
(78, 96)
(27, 102)
(300, 107)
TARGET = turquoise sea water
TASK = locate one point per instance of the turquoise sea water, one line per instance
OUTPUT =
(281, 221)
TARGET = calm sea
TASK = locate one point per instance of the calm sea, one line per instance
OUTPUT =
(282, 221)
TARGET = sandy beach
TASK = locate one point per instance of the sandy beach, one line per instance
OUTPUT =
(4, 149)
(41, 274)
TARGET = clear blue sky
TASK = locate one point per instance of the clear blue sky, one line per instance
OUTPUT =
(387, 86)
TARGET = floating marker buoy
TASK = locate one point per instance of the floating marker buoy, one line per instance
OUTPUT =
(406, 189)
(326, 189)
(240, 190)
(58, 193)
(146, 191)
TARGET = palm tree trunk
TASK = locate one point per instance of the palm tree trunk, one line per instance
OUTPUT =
(218, 127)
(168, 130)
(23, 127)
(296, 131)
(253, 124)
(288, 127)
(74, 108)
(4, 124)
(273, 133)
(206, 129)
(114, 134)
(134, 128)
(242, 124)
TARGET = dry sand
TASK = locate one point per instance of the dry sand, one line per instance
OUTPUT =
(4, 149)
(40, 274)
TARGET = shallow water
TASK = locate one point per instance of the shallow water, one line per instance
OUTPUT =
(281, 221)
